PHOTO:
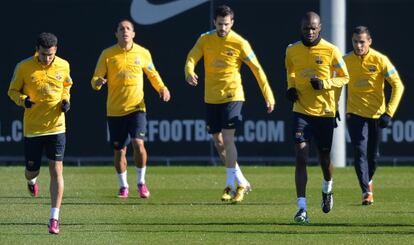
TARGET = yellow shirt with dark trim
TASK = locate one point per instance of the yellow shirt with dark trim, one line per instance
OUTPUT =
(124, 71)
(366, 86)
(223, 57)
(46, 87)
(323, 61)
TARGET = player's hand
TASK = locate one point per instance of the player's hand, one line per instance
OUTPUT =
(100, 81)
(292, 95)
(165, 94)
(192, 80)
(270, 107)
(65, 106)
(337, 119)
(28, 103)
(317, 83)
(384, 120)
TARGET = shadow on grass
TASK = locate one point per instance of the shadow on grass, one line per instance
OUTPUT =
(147, 203)
(193, 227)
(246, 224)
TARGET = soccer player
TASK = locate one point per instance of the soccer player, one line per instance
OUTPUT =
(367, 110)
(224, 51)
(314, 90)
(121, 67)
(41, 84)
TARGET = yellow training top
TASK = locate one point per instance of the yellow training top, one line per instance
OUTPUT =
(46, 87)
(124, 70)
(366, 86)
(223, 57)
(323, 61)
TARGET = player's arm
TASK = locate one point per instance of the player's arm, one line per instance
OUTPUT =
(290, 70)
(99, 75)
(291, 92)
(16, 87)
(67, 84)
(250, 59)
(193, 57)
(392, 77)
(155, 78)
(341, 75)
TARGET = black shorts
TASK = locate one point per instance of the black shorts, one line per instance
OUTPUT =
(133, 125)
(54, 146)
(223, 116)
(320, 128)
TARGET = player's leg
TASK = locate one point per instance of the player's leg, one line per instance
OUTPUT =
(231, 121)
(137, 130)
(358, 128)
(219, 145)
(213, 123)
(33, 148)
(118, 139)
(55, 149)
(322, 129)
(301, 136)
(373, 153)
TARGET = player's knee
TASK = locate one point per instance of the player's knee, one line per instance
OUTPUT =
(30, 174)
(33, 166)
(117, 146)
(138, 145)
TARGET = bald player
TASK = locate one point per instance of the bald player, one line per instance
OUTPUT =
(314, 91)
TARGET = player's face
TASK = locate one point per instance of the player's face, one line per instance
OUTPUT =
(125, 32)
(311, 29)
(361, 43)
(46, 55)
(223, 25)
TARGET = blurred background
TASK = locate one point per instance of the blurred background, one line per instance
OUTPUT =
(176, 130)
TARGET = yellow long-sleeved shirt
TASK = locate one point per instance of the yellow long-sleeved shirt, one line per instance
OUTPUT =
(323, 61)
(366, 86)
(124, 70)
(46, 87)
(223, 57)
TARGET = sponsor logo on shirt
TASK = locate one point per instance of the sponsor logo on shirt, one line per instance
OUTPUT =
(219, 63)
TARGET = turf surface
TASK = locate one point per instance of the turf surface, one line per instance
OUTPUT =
(185, 208)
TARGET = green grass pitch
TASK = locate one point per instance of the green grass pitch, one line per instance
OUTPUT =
(185, 208)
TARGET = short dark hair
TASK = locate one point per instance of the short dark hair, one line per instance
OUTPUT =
(127, 20)
(361, 30)
(223, 11)
(46, 40)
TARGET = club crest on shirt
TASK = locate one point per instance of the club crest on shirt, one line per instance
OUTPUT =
(372, 68)
(58, 76)
(137, 61)
(230, 52)
(318, 60)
